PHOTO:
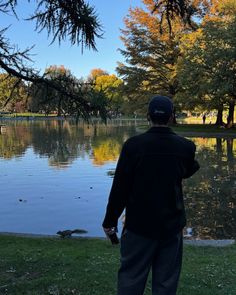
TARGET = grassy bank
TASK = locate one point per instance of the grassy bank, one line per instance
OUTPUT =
(197, 130)
(88, 267)
(25, 115)
(204, 129)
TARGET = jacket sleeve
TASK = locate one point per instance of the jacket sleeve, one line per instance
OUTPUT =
(191, 165)
(120, 189)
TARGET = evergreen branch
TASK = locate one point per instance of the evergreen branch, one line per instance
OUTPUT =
(73, 19)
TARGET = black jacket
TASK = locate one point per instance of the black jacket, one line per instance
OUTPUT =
(148, 183)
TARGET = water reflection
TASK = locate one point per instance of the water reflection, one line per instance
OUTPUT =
(85, 158)
(211, 193)
(62, 142)
(14, 142)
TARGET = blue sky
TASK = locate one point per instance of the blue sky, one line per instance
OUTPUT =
(111, 14)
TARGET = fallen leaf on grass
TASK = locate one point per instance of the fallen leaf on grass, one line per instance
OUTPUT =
(53, 290)
(11, 269)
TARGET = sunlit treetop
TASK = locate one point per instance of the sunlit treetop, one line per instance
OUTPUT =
(94, 73)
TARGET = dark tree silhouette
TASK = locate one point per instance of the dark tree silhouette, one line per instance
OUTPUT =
(184, 9)
(171, 8)
(62, 19)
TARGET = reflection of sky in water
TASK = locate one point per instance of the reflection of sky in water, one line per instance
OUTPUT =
(56, 176)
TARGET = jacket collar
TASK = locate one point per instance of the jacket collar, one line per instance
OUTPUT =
(163, 130)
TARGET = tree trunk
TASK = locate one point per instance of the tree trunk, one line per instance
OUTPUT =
(172, 91)
(219, 119)
(59, 106)
(174, 121)
(230, 118)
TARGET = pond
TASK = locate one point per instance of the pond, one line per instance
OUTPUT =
(55, 175)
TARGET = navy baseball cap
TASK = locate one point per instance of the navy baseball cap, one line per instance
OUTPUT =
(160, 107)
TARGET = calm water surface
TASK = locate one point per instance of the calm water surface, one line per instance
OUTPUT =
(55, 175)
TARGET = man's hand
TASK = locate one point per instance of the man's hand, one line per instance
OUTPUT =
(111, 234)
(110, 230)
(107, 230)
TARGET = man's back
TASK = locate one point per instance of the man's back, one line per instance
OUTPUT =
(148, 182)
(160, 160)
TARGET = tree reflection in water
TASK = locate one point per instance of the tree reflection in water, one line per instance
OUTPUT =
(62, 142)
(210, 194)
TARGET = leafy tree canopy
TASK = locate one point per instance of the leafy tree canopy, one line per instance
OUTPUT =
(150, 55)
(65, 19)
(10, 87)
(207, 69)
(94, 73)
(110, 86)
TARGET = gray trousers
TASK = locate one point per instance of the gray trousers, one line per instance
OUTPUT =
(140, 254)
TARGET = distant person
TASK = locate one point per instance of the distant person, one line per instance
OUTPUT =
(204, 119)
(148, 184)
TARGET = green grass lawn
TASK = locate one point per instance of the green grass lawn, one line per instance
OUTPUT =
(89, 266)
(197, 129)
(207, 128)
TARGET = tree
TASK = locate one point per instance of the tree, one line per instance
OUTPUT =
(110, 86)
(72, 19)
(207, 68)
(151, 56)
(16, 90)
(49, 99)
(94, 73)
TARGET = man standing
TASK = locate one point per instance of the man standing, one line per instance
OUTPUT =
(148, 185)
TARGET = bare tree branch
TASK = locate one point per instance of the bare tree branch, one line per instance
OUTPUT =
(169, 9)
(72, 19)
